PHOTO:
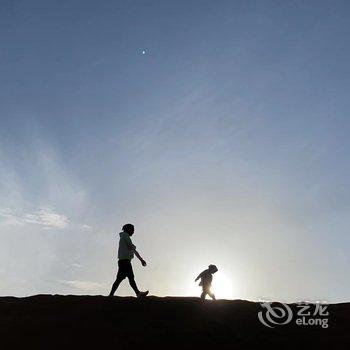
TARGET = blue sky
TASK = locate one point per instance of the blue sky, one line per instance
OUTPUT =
(226, 142)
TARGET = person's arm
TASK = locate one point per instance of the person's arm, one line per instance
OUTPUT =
(199, 276)
(132, 247)
(143, 262)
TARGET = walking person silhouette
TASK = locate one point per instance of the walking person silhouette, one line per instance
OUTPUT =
(206, 278)
(126, 252)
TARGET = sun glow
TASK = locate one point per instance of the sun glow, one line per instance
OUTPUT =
(222, 287)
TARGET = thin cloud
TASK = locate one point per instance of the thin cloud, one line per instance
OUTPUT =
(8, 218)
(85, 227)
(44, 217)
(82, 285)
(47, 218)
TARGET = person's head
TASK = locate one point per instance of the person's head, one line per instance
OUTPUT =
(129, 229)
(213, 268)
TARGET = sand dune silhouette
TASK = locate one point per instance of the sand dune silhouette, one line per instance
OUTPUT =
(46, 321)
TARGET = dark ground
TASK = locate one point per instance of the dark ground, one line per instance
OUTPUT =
(47, 322)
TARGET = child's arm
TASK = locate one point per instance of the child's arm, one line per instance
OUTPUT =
(199, 276)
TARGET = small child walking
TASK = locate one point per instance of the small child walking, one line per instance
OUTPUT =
(206, 278)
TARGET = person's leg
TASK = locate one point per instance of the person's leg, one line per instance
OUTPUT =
(212, 295)
(204, 293)
(120, 277)
(131, 278)
(133, 285)
(116, 284)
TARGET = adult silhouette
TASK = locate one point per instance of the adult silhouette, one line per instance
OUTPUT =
(126, 253)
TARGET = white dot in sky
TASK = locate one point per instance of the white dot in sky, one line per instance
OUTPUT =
(144, 52)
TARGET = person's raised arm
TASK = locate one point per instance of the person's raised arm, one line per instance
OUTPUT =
(199, 276)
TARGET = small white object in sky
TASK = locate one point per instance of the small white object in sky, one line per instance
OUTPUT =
(144, 52)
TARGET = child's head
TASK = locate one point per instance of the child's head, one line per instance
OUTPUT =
(129, 229)
(213, 268)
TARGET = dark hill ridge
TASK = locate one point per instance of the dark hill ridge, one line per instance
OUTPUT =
(46, 322)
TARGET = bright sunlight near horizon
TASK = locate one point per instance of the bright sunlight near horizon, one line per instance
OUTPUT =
(222, 286)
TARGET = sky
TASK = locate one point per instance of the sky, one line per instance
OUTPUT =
(220, 129)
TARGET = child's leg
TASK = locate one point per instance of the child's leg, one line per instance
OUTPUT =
(204, 293)
(206, 290)
(212, 295)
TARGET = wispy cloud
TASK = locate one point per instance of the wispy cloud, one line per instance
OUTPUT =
(8, 218)
(85, 227)
(47, 218)
(44, 217)
(82, 285)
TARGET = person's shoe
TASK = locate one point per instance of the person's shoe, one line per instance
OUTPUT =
(142, 294)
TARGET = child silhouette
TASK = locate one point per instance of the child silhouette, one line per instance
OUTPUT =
(206, 278)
